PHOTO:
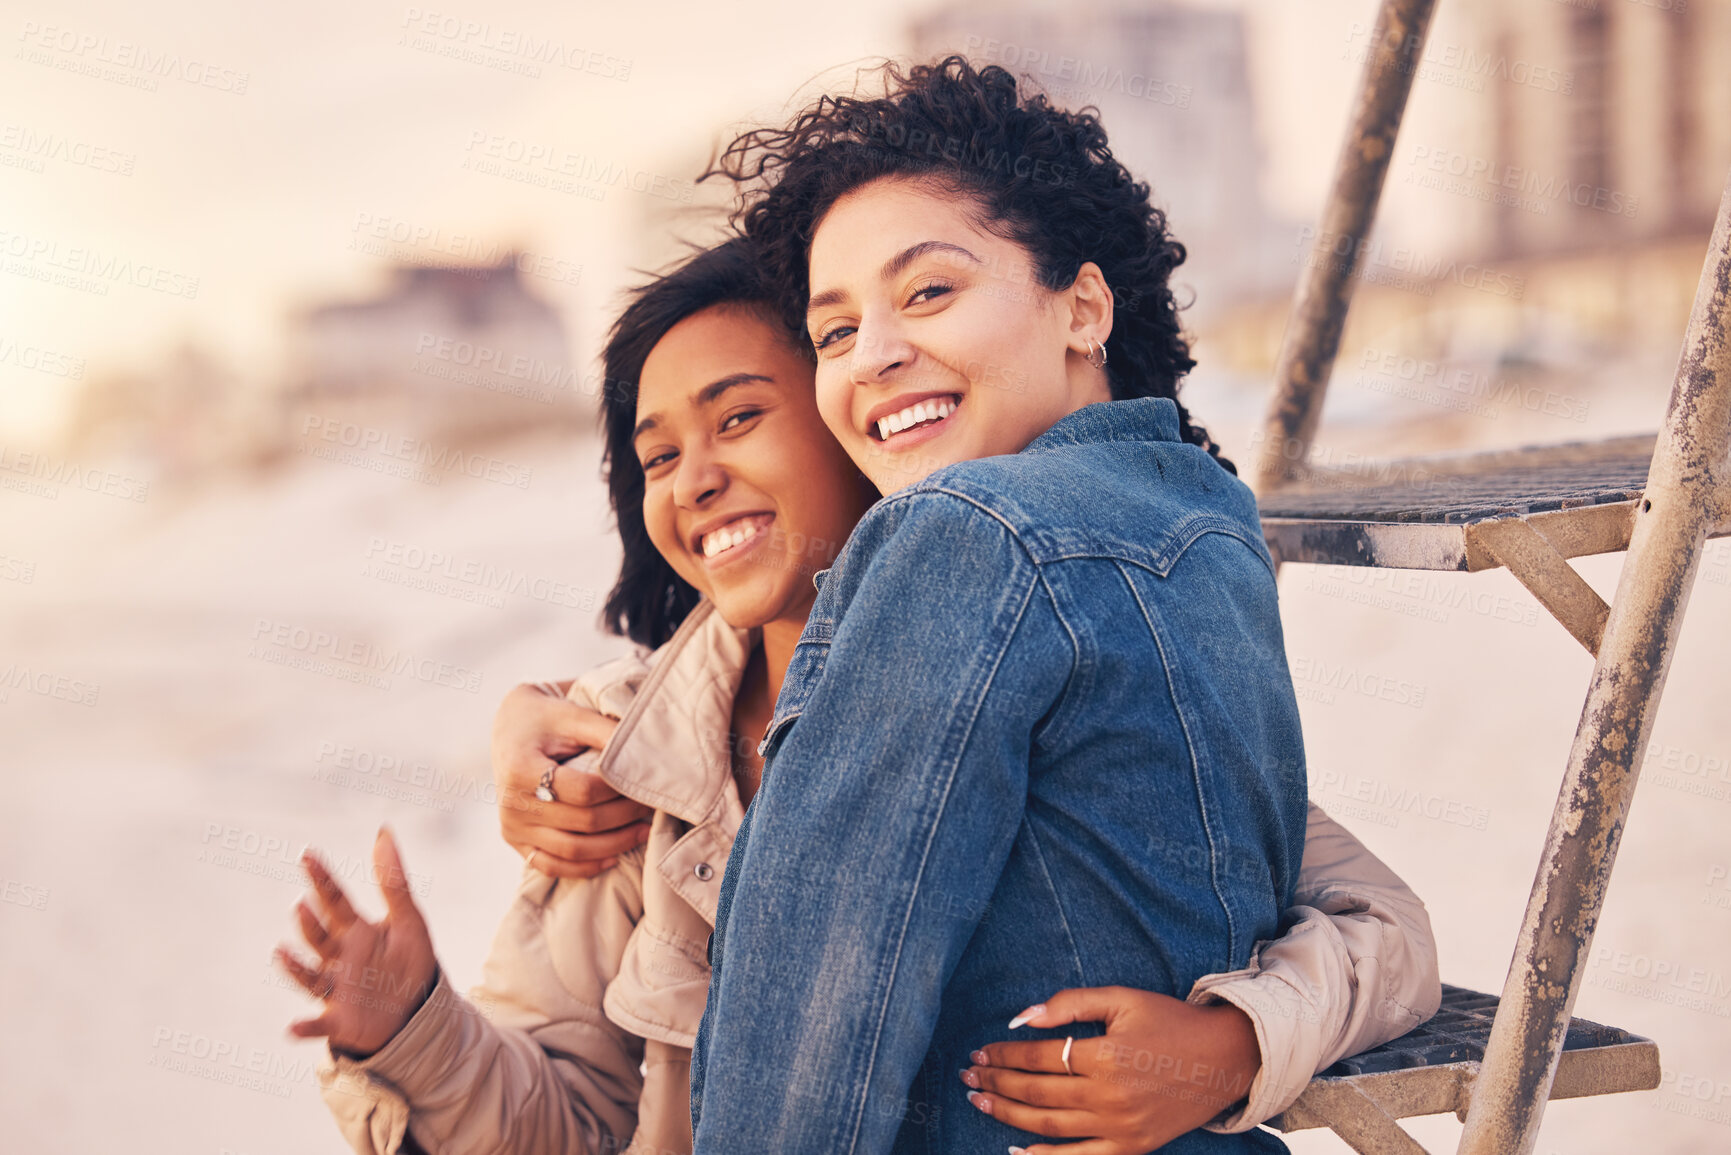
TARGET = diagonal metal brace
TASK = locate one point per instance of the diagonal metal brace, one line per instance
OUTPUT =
(1359, 1120)
(1523, 551)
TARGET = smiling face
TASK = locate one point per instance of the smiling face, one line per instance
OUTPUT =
(745, 492)
(936, 342)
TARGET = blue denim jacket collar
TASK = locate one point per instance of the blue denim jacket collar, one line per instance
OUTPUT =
(1138, 419)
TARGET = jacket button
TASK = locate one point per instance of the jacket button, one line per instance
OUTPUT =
(704, 871)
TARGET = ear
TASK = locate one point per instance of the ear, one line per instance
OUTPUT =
(1090, 302)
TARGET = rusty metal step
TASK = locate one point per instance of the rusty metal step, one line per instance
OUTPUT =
(1430, 1070)
(1415, 512)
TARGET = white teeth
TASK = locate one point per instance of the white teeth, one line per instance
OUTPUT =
(727, 537)
(933, 410)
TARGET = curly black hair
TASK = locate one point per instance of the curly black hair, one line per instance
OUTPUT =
(650, 599)
(1038, 175)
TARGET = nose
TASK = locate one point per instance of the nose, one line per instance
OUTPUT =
(879, 348)
(699, 478)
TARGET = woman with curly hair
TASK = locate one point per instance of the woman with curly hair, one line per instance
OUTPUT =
(1039, 730)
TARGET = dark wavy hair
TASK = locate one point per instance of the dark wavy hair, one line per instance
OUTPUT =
(650, 599)
(1038, 175)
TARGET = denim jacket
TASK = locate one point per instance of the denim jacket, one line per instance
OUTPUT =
(1038, 733)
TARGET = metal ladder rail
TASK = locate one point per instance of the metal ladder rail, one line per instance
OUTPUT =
(1687, 495)
(1639, 630)
(1326, 284)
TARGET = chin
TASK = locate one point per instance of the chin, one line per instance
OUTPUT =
(749, 609)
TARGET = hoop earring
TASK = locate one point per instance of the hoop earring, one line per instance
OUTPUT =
(1101, 363)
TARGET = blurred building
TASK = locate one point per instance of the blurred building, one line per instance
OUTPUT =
(1550, 196)
(457, 351)
(187, 414)
(1637, 148)
(1173, 88)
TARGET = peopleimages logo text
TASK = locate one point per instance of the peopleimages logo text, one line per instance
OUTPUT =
(316, 643)
(366, 439)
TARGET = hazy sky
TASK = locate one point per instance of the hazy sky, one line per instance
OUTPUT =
(211, 165)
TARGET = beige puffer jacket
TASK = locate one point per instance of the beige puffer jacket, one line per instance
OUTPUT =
(578, 1038)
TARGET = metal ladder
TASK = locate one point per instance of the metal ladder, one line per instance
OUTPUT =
(1496, 1062)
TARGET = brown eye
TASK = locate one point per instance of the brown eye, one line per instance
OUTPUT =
(832, 336)
(930, 292)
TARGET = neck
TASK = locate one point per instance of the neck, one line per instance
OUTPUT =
(779, 639)
(759, 687)
(1088, 386)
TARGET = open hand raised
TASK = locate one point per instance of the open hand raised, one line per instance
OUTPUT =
(372, 976)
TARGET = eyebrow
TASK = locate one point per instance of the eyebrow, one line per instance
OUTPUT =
(892, 267)
(705, 396)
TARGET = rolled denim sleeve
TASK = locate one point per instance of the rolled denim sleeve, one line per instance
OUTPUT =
(886, 815)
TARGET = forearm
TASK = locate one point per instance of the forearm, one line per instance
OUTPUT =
(1295, 1022)
(1378, 931)
(463, 1085)
(1355, 967)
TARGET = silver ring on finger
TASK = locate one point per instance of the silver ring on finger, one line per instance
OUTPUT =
(545, 790)
(1069, 1041)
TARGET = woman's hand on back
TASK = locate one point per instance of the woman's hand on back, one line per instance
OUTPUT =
(1163, 1068)
(591, 824)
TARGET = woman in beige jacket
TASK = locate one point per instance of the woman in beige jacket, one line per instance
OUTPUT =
(730, 495)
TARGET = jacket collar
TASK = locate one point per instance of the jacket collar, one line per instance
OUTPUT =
(1138, 419)
(680, 719)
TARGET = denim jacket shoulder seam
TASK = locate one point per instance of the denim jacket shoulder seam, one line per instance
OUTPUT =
(969, 500)
(1173, 545)
(1221, 524)
(1156, 564)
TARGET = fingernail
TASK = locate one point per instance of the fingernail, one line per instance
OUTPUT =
(979, 1057)
(970, 1079)
(980, 1101)
(1018, 1151)
(1021, 1019)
